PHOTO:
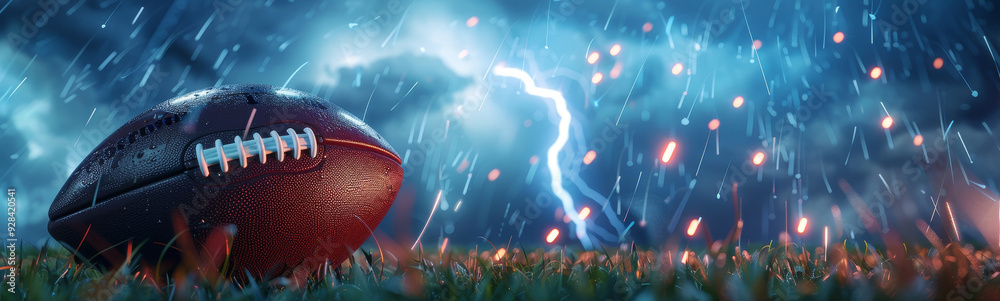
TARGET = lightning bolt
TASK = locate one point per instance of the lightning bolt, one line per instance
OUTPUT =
(552, 156)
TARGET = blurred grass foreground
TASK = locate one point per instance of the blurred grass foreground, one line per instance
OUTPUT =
(855, 271)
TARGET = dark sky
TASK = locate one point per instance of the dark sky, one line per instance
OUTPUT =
(811, 104)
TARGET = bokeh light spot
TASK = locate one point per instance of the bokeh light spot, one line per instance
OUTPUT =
(615, 49)
(887, 122)
(500, 253)
(616, 70)
(758, 158)
(589, 157)
(552, 235)
(668, 153)
(494, 174)
(678, 67)
(876, 72)
(693, 227)
(592, 58)
(838, 37)
(596, 79)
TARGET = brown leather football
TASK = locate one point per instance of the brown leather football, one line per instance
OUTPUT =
(260, 177)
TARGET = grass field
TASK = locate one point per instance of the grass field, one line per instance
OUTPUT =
(857, 271)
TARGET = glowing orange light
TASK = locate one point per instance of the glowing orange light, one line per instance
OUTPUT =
(938, 63)
(128, 258)
(585, 212)
(552, 235)
(738, 102)
(887, 122)
(918, 140)
(758, 158)
(647, 27)
(494, 174)
(876, 72)
(714, 124)
(592, 58)
(597, 78)
(952, 218)
(757, 44)
(616, 70)
(802, 225)
(826, 241)
(685, 258)
(668, 152)
(678, 67)
(693, 227)
(838, 37)
(444, 244)
(615, 49)
(464, 53)
(472, 21)
(589, 157)
(500, 253)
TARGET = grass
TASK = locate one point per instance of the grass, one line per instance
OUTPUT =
(788, 271)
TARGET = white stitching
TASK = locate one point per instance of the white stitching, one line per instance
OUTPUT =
(199, 151)
(296, 145)
(243, 151)
(311, 141)
(258, 147)
(261, 150)
(223, 161)
(279, 145)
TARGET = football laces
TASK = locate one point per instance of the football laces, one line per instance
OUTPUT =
(259, 147)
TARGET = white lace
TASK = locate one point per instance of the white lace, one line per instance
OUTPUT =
(259, 147)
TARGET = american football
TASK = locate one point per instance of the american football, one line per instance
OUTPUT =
(500, 150)
(300, 182)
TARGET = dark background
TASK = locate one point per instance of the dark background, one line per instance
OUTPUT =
(105, 62)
